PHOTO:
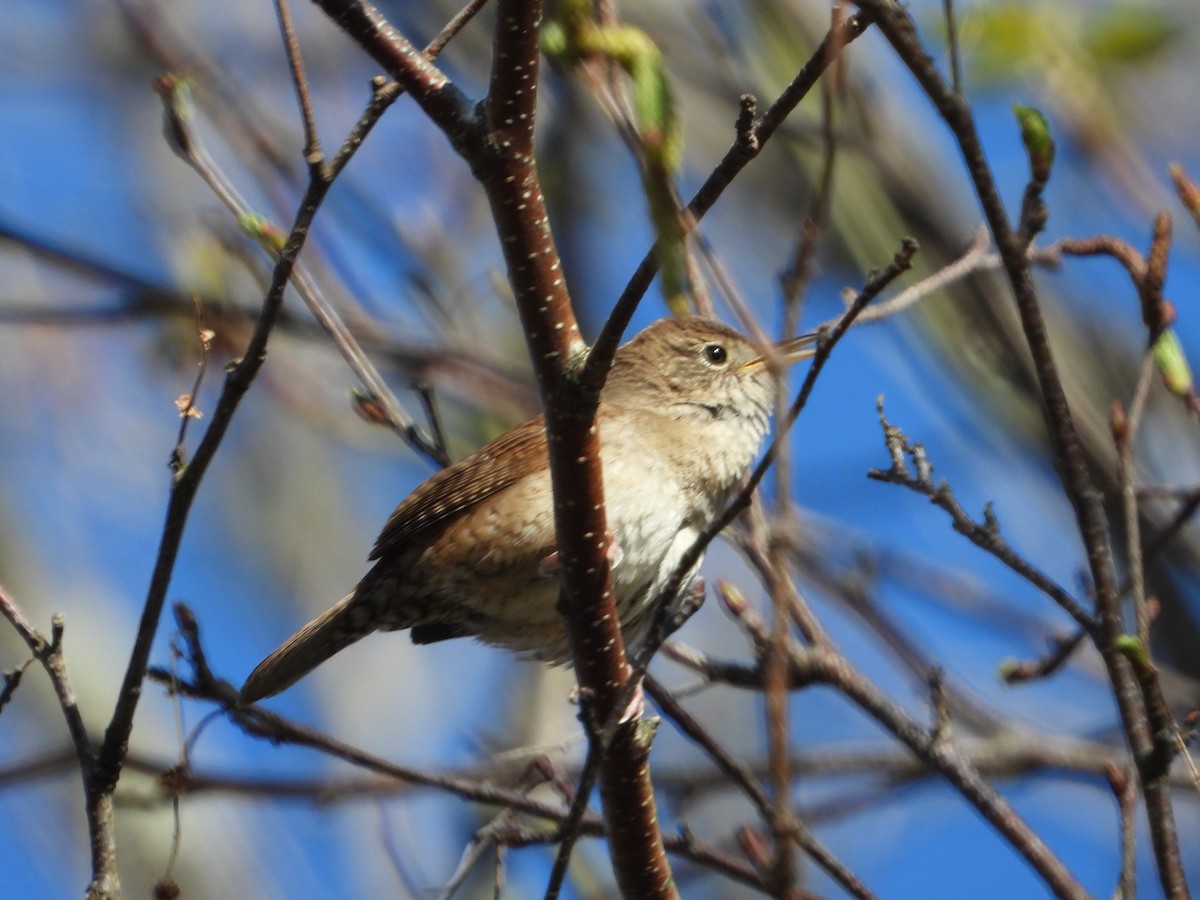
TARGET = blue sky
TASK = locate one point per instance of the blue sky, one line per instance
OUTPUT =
(290, 509)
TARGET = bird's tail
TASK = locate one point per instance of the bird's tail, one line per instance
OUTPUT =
(337, 628)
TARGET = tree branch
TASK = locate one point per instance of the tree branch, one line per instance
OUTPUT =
(750, 138)
(1069, 457)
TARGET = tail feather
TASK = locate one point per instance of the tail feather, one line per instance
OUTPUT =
(334, 630)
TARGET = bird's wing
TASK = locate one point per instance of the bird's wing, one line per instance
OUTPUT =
(493, 467)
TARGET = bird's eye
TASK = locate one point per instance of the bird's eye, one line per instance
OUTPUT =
(716, 354)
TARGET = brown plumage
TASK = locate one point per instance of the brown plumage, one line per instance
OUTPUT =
(470, 551)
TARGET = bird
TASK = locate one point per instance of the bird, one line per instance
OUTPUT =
(471, 551)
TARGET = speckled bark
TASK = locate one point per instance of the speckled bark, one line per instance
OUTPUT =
(498, 146)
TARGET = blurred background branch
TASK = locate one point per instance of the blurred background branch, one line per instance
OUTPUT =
(105, 239)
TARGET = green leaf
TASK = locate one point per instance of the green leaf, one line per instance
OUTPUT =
(1133, 650)
(554, 41)
(263, 230)
(1035, 134)
(1129, 34)
(1003, 38)
(1172, 364)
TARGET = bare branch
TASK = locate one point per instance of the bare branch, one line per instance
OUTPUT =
(98, 806)
(1070, 461)
(985, 535)
(191, 149)
(747, 145)
(825, 665)
(738, 773)
(312, 141)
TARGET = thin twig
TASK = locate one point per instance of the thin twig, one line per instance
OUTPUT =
(1062, 648)
(1125, 436)
(192, 150)
(1125, 791)
(187, 403)
(795, 277)
(985, 535)
(457, 23)
(952, 45)
(749, 140)
(823, 664)
(258, 722)
(98, 806)
(484, 838)
(1070, 460)
(312, 141)
(974, 258)
(783, 824)
(1189, 504)
(103, 776)
(570, 829)
(785, 828)
(12, 680)
(739, 774)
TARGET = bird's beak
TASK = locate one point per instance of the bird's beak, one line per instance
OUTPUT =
(787, 352)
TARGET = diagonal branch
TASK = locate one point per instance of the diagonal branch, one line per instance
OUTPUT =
(748, 143)
(101, 777)
(1069, 457)
(482, 788)
(98, 805)
(985, 535)
(497, 143)
(183, 491)
(825, 665)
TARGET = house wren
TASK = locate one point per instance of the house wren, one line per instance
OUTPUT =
(471, 552)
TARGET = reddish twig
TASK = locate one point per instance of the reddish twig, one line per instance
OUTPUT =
(1069, 457)
(1062, 648)
(749, 140)
(1124, 790)
(256, 721)
(822, 664)
(795, 277)
(498, 145)
(739, 774)
(98, 799)
(291, 45)
(985, 535)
